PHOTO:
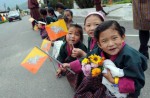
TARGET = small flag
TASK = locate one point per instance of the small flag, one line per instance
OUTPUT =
(34, 60)
(46, 45)
(31, 19)
(56, 29)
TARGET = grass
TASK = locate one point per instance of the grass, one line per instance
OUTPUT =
(123, 1)
(3, 21)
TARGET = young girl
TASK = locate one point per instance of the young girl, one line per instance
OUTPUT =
(92, 20)
(74, 39)
(68, 16)
(130, 63)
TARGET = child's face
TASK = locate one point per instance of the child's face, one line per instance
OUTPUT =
(110, 41)
(91, 23)
(68, 15)
(73, 36)
(60, 10)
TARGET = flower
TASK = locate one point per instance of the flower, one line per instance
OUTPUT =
(92, 65)
(86, 69)
(96, 72)
(95, 59)
(85, 61)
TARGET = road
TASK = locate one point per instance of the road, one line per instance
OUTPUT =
(16, 41)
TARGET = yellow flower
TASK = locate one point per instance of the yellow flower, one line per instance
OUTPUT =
(96, 72)
(85, 61)
(95, 59)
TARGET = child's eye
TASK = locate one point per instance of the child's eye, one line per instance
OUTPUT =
(104, 41)
(96, 24)
(114, 38)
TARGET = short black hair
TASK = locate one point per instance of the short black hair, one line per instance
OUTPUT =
(43, 11)
(51, 10)
(109, 24)
(69, 11)
(60, 5)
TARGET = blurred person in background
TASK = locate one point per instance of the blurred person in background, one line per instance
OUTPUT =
(141, 20)
(33, 5)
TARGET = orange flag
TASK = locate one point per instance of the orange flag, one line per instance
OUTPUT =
(56, 29)
(34, 60)
(46, 45)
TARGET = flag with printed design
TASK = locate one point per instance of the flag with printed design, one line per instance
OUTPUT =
(46, 45)
(56, 29)
(34, 60)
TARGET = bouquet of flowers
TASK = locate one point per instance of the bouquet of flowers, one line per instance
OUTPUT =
(92, 65)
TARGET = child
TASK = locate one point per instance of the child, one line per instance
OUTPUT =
(130, 64)
(74, 39)
(52, 14)
(68, 16)
(92, 20)
(45, 18)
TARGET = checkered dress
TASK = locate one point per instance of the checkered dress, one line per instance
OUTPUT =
(91, 88)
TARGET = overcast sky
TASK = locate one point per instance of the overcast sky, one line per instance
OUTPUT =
(10, 3)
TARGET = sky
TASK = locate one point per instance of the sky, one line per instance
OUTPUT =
(10, 3)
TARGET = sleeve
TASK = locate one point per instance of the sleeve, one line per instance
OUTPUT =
(76, 66)
(62, 55)
(134, 69)
(126, 85)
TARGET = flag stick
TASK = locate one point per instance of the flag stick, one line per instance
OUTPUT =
(56, 61)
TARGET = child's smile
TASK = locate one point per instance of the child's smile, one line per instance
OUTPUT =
(110, 41)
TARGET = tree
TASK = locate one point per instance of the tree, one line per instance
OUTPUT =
(8, 8)
(18, 9)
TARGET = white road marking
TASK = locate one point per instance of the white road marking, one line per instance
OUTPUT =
(130, 35)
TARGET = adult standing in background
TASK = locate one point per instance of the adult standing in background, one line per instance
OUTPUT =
(99, 6)
(33, 5)
(141, 19)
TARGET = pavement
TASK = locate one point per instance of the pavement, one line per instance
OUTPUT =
(124, 10)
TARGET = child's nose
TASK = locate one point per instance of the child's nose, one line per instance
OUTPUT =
(110, 43)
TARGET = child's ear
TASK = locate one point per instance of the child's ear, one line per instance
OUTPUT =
(123, 37)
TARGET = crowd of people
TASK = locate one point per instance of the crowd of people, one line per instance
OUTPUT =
(105, 39)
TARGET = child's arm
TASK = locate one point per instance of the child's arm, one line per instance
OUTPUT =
(74, 65)
(116, 72)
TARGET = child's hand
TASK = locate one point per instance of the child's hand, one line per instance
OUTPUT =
(60, 70)
(66, 65)
(112, 67)
(108, 76)
(39, 25)
(77, 53)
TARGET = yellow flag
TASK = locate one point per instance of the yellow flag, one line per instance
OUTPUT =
(56, 29)
(46, 45)
(34, 60)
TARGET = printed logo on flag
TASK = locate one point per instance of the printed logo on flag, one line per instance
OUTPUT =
(56, 29)
(34, 60)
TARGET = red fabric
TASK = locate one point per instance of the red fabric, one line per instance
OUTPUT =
(76, 66)
(92, 44)
(126, 85)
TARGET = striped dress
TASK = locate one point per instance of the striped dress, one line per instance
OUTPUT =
(141, 14)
